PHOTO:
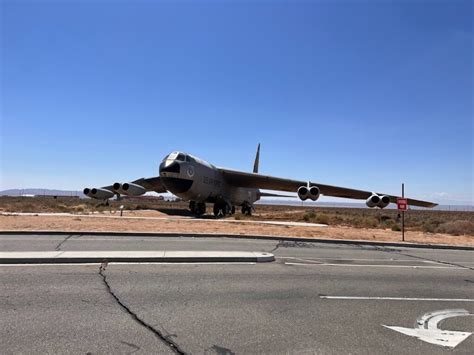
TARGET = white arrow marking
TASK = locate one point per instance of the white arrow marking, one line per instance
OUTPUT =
(426, 328)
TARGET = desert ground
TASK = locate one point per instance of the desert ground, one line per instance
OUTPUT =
(85, 215)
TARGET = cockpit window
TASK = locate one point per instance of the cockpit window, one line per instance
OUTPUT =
(172, 156)
(175, 156)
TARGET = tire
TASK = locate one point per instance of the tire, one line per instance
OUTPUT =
(200, 208)
(192, 206)
(221, 210)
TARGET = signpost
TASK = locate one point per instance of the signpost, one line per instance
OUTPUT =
(402, 205)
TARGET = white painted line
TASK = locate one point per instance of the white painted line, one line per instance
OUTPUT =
(398, 298)
(426, 328)
(375, 265)
(345, 259)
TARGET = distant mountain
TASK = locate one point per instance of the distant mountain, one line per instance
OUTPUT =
(47, 192)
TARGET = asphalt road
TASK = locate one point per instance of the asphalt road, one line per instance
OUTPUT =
(278, 307)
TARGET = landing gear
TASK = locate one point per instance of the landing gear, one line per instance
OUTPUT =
(222, 209)
(197, 208)
(200, 208)
(246, 209)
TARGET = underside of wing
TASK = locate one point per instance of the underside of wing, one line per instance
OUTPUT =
(252, 180)
(134, 188)
(151, 184)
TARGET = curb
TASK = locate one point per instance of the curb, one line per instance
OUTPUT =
(62, 257)
(240, 236)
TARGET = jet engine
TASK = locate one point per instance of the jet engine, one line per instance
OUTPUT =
(314, 193)
(384, 201)
(303, 193)
(129, 188)
(373, 201)
(99, 194)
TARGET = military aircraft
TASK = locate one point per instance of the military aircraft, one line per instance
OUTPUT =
(199, 182)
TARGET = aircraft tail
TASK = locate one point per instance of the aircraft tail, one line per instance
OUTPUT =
(257, 160)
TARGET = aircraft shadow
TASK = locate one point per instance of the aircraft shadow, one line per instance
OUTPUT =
(183, 212)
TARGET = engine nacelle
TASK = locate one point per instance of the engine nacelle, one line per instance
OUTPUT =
(373, 201)
(384, 201)
(303, 193)
(99, 194)
(131, 189)
(314, 193)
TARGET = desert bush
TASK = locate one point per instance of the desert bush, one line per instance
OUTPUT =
(396, 228)
(459, 227)
(428, 227)
(322, 218)
(371, 222)
(309, 216)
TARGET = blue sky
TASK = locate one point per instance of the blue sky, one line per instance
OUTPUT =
(363, 94)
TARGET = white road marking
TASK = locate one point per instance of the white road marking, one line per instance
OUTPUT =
(132, 263)
(426, 328)
(343, 259)
(398, 298)
(375, 265)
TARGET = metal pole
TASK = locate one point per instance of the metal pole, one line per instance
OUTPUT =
(403, 214)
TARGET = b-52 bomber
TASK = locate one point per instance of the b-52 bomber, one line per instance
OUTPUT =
(200, 182)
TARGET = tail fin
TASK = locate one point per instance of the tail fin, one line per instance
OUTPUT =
(257, 159)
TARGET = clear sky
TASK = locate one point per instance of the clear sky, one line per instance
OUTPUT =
(363, 94)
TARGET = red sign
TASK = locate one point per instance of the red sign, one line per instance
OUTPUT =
(402, 204)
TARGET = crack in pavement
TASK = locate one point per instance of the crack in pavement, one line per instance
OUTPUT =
(165, 338)
(292, 244)
(58, 247)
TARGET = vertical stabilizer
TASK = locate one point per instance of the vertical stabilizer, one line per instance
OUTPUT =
(257, 159)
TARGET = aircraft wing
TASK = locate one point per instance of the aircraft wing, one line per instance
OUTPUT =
(150, 184)
(252, 180)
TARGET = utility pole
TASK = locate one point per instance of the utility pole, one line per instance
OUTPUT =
(403, 214)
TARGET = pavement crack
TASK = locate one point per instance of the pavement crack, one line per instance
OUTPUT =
(291, 244)
(164, 338)
(135, 347)
(276, 246)
(58, 247)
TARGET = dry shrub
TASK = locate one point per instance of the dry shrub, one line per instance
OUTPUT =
(309, 216)
(459, 227)
(322, 218)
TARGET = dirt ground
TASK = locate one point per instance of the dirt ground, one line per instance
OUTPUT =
(139, 221)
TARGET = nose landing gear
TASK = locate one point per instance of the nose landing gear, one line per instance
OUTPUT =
(197, 208)
(247, 210)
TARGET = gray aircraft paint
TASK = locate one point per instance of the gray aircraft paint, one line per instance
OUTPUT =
(207, 183)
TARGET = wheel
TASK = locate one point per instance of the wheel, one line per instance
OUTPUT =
(232, 211)
(192, 206)
(221, 209)
(200, 208)
(247, 210)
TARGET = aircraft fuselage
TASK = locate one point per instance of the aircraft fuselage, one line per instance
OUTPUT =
(193, 179)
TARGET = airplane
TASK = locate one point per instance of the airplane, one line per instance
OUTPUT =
(199, 182)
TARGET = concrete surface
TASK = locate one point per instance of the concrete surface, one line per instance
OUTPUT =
(35, 257)
(271, 308)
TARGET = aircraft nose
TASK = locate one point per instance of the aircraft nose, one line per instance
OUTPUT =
(174, 167)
